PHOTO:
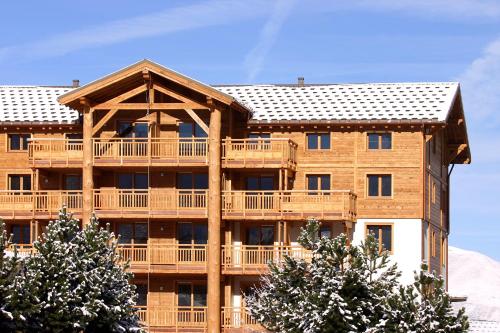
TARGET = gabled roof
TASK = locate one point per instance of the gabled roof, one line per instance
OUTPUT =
(373, 101)
(34, 104)
(131, 75)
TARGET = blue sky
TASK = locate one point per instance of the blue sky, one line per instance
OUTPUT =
(244, 41)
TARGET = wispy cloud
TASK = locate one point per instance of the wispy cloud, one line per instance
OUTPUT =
(203, 14)
(456, 9)
(254, 60)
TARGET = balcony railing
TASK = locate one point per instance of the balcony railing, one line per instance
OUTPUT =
(173, 317)
(44, 152)
(171, 257)
(154, 202)
(23, 204)
(295, 204)
(22, 249)
(249, 258)
(232, 317)
(154, 151)
(259, 153)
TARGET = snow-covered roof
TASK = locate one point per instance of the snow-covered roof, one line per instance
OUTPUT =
(372, 101)
(382, 101)
(36, 104)
(480, 326)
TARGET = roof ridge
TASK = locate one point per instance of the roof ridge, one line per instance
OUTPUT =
(334, 84)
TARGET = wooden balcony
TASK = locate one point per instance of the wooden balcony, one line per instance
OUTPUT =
(150, 151)
(178, 318)
(249, 259)
(22, 249)
(165, 258)
(233, 317)
(56, 153)
(259, 153)
(38, 204)
(159, 203)
(290, 205)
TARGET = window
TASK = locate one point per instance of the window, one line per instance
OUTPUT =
(260, 183)
(138, 181)
(379, 141)
(259, 141)
(325, 231)
(379, 185)
(382, 234)
(318, 182)
(191, 130)
(260, 235)
(433, 243)
(443, 252)
(192, 233)
(433, 192)
(73, 182)
(18, 141)
(190, 181)
(191, 295)
(20, 182)
(133, 233)
(127, 129)
(21, 234)
(142, 294)
(318, 141)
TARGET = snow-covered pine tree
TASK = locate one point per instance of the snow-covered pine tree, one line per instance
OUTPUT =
(423, 307)
(76, 281)
(349, 289)
(9, 263)
(341, 289)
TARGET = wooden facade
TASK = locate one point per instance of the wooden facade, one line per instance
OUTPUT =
(176, 167)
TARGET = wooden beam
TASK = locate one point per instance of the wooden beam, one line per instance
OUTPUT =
(456, 150)
(87, 170)
(182, 98)
(122, 97)
(198, 120)
(214, 222)
(103, 121)
(144, 106)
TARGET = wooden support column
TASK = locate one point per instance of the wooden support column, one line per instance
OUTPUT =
(87, 171)
(214, 221)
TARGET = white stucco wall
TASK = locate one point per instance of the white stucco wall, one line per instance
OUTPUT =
(407, 247)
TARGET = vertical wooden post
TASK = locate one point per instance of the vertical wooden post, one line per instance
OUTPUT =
(214, 221)
(87, 172)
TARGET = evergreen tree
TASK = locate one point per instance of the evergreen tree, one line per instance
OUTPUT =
(77, 282)
(424, 307)
(348, 289)
(9, 262)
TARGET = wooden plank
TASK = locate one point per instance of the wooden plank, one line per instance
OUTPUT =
(103, 121)
(198, 120)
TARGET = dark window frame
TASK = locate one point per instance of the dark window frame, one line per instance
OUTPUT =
(379, 235)
(22, 139)
(323, 141)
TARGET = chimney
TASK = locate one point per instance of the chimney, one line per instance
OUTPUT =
(76, 83)
(300, 81)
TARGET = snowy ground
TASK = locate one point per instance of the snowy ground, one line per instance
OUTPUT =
(476, 276)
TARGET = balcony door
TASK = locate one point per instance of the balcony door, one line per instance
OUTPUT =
(257, 197)
(191, 302)
(192, 140)
(192, 239)
(259, 141)
(259, 240)
(135, 233)
(21, 234)
(138, 133)
(133, 189)
(192, 189)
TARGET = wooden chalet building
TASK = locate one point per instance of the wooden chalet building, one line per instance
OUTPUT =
(206, 184)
